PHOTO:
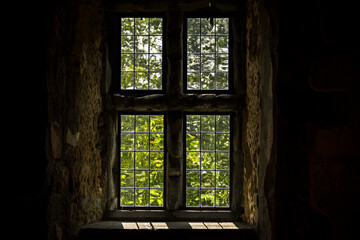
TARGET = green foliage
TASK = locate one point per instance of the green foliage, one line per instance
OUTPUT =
(142, 160)
(127, 160)
(157, 179)
(141, 52)
(193, 179)
(208, 171)
(144, 134)
(208, 53)
(208, 160)
(222, 160)
(207, 198)
(193, 197)
(156, 197)
(127, 197)
(192, 142)
(142, 197)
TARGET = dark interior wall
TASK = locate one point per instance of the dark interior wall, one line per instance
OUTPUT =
(54, 124)
(24, 118)
(318, 121)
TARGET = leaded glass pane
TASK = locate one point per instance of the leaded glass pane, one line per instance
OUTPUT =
(141, 160)
(207, 160)
(207, 54)
(141, 49)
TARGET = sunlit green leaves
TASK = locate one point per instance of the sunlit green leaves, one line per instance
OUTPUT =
(207, 198)
(193, 63)
(193, 160)
(141, 53)
(157, 179)
(127, 178)
(141, 160)
(193, 44)
(192, 197)
(156, 123)
(127, 160)
(222, 160)
(156, 160)
(127, 45)
(127, 141)
(156, 25)
(207, 27)
(193, 179)
(141, 179)
(222, 179)
(127, 62)
(142, 197)
(223, 123)
(127, 197)
(208, 123)
(156, 197)
(207, 160)
(193, 142)
(155, 44)
(141, 26)
(222, 44)
(142, 123)
(222, 198)
(207, 179)
(127, 26)
(193, 26)
(207, 54)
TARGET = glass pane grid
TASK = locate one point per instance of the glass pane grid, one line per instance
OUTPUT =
(207, 54)
(141, 53)
(142, 161)
(208, 161)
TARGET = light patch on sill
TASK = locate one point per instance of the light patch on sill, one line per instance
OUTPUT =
(168, 225)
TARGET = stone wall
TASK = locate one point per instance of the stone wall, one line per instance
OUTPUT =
(74, 138)
(258, 144)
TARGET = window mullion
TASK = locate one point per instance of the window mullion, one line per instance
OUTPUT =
(174, 161)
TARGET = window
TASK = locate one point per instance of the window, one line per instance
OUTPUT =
(177, 115)
(207, 161)
(142, 160)
(207, 57)
(141, 41)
